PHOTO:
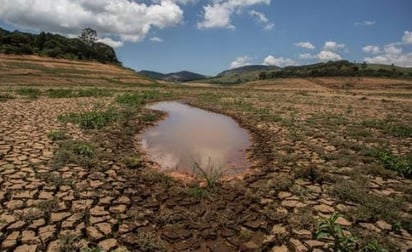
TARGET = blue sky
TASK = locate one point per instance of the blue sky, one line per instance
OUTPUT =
(213, 35)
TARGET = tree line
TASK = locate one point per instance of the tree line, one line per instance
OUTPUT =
(337, 68)
(85, 47)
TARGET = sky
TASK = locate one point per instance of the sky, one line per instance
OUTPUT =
(209, 36)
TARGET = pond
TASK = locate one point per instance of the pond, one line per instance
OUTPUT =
(189, 136)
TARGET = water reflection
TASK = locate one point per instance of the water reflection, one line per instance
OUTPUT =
(191, 135)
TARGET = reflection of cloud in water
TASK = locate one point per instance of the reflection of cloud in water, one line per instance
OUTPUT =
(191, 135)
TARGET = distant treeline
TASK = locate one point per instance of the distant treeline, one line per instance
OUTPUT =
(85, 47)
(337, 68)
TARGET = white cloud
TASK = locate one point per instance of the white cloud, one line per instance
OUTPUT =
(393, 53)
(307, 56)
(241, 61)
(259, 15)
(127, 20)
(306, 45)
(407, 37)
(156, 39)
(281, 62)
(404, 60)
(110, 42)
(392, 50)
(365, 23)
(332, 46)
(269, 27)
(371, 49)
(261, 18)
(219, 13)
(328, 56)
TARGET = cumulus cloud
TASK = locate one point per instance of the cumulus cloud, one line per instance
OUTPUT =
(365, 23)
(122, 19)
(393, 53)
(371, 49)
(328, 56)
(156, 39)
(261, 18)
(111, 42)
(307, 56)
(219, 13)
(332, 46)
(281, 62)
(407, 37)
(306, 45)
(241, 61)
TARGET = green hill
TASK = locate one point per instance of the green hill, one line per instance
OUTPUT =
(85, 47)
(173, 77)
(341, 68)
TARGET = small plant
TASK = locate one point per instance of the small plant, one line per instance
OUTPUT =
(29, 92)
(130, 99)
(211, 176)
(343, 241)
(68, 243)
(148, 241)
(197, 192)
(57, 135)
(91, 120)
(5, 97)
(373, 246)
(92, 249)
(133, 161)
(60, 93)
(83, 149)
(403, 166)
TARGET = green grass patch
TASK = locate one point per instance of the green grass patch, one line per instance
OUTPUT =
(5, 97)
(92, 119)
(389, 127)
(31, 93)
(137, 99)
(57, 135)
(401, 165)
(70, 93)
(75, 152)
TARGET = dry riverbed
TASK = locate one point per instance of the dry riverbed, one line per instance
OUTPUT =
(71, 177)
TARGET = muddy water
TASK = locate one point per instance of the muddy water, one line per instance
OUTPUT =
(188, 135)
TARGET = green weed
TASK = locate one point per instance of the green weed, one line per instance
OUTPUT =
(211, 174)
(92, 119)
(57, 135)
(5, 97)
(401, 165)
(342, 241)
(29, 92)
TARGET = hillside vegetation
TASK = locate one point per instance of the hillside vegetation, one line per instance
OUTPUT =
(173, 77)
(46, 71)
(85, 47)
(341, 68)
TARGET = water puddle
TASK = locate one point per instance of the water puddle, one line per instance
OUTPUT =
(190, 135)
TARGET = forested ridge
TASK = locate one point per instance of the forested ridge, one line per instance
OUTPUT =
(84, 47)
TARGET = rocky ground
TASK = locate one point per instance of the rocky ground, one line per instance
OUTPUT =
(307, 166)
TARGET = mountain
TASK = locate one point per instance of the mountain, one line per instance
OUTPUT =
(245, 69)
(173, 77)
(341, 68)
(240, 74)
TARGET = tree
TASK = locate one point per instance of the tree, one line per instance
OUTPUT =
(262, 76)
(88, 36)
